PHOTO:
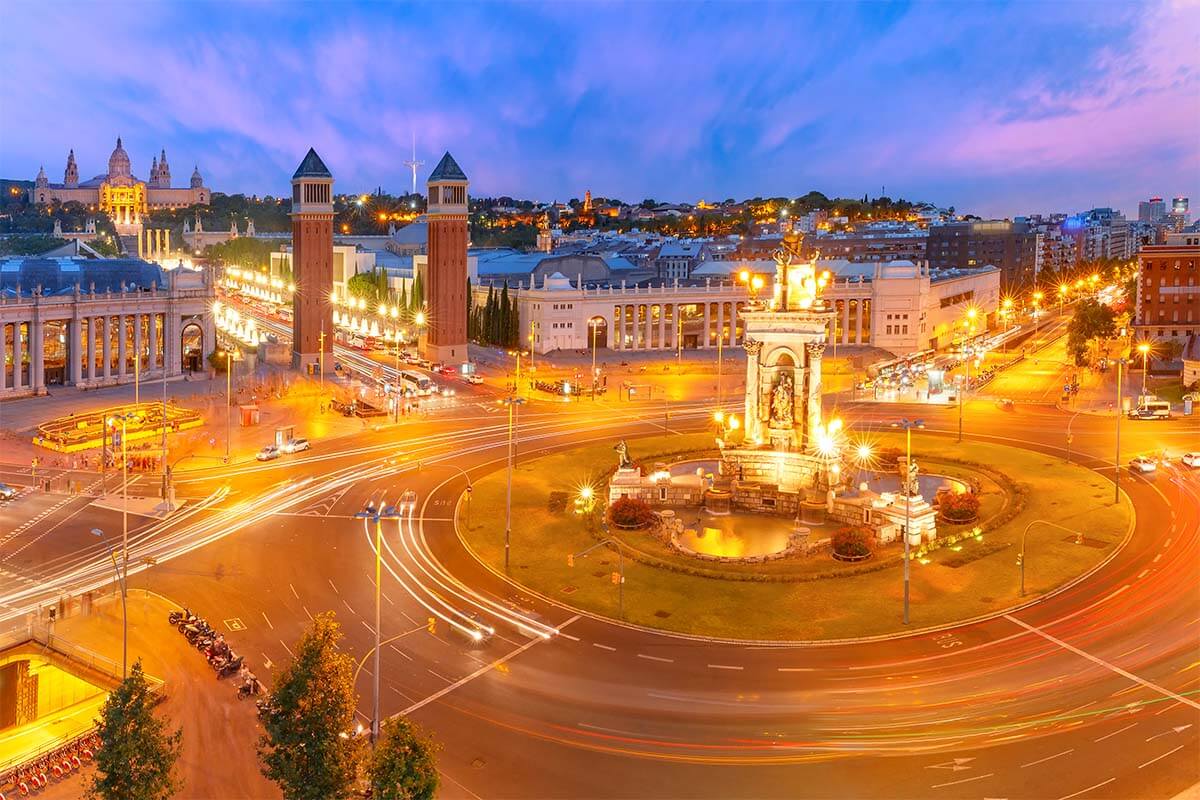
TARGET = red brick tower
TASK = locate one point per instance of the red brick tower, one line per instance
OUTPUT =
(445, 335)
(312, 261)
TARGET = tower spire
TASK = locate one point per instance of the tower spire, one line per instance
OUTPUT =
(413, 164)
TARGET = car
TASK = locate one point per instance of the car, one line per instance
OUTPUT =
(473, 379)
(295, 445)
(268, 453)
(448, 369)
(477, 632)
(1143, 464)
(1191, 459)
(408, 501)
(7, 492)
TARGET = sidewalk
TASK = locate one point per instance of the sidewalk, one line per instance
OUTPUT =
(219, 731)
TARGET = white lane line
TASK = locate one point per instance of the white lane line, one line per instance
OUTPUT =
(1114, 733)
(569, 636)
(656, 658)
(269, 625)
(294, 594)
(604, 647)
(1084, 791)
(796, 669)
(1156, 559)
(401, 652)
(723, 666)
(1165, 710)
(964, 780)
(1103, 663)
(1167, 543)
(385, 597)
(307, 612)
(285, 647)
(331, 586)
(1160, 758)
(1048, 758)
(482, 670)
(437, 675)
(1143, 573)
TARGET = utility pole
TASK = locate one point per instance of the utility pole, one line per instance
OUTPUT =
(228, 400)
(1120, 411)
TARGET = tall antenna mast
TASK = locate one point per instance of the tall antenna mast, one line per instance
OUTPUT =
(412, 163)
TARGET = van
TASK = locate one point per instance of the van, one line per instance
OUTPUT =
(1151, 409)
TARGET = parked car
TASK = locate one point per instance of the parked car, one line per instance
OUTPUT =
(1143, 464)
(295, 445)
(1191, 459)
(268, 453)
(7, 492)
(473, 379)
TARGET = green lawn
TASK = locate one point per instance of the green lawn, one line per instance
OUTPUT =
(814, 597)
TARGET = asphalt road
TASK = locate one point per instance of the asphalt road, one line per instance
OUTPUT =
(1091, 693)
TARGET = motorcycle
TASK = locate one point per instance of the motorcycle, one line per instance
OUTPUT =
(230, 667)
(252, 686)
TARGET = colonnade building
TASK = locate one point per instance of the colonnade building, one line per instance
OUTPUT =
(900, 306)
(93, 322)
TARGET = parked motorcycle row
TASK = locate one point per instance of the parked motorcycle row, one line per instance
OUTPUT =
(221, 657)
(37, 774)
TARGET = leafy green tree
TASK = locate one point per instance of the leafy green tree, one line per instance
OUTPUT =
(307, 748)
(243, 252)
(1092, 320)
(403, 766)
(136, 759)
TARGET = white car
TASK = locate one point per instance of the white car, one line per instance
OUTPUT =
(1143, 464)
(474, 379)
(268, 453)
(7, 492)
(1191, 459)
(295, 445)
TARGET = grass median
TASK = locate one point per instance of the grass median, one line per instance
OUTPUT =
(814, 597)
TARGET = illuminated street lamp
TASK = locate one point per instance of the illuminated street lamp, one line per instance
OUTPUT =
(1037, 301)
(512, 401)
(122, 575)
(594, 324)
(377, 515)
(1144, 348)
(1062, 295)
(907, 425)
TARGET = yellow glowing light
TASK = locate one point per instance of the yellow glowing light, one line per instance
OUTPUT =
(734, 423)
(756, 283)
(1008, 303)
(1144, 348)
(744, 276)
(863, 452)
(586, 493)
(420, 318)
(972, 313)
(719, 416)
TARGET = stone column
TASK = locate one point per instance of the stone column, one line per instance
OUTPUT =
(721, 324)
(754, 430)
(152, 330)
(172, 358)
(122, 350)
(16, 355)
(704, 340)
(858, 323)
(619, 328)
(90, 364)
(845, 323)
(813, 391)
(3, 356)
(74, 336)
(106, 347)
(649, 326)
(37, 355)
(138, 364)
(662, 326)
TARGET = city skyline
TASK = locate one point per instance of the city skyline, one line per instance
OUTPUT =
(999, 117)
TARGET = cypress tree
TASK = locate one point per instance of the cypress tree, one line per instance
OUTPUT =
(489, 317)
(504, 331)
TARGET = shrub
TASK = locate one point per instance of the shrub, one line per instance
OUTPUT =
(629, 512)
(557, 502)
(960, 507)
(853, 542)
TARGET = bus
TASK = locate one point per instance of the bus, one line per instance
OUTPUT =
(416, 383)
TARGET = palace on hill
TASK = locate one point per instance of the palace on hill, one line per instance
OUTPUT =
(118, 192)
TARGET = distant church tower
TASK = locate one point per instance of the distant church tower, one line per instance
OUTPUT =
(312, 260)
(545, 241)
(71, 174)
(446, 277)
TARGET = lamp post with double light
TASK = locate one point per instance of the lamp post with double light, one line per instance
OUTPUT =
(377, 515)
(1145, 348)
(594, 324)
(907, 425)
(512, 401)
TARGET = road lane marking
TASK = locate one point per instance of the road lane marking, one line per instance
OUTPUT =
(1165, 710)
(482, 670)
(268, 621)
(964, 780)
(796, 669)
(569, 636)
(401, 652)
(723, 666)
(294, 592)
(285, 647)
(656, 658)
(1048, 758)
(1143, 573)
(307, 612)
(1114, 733)
(331, 586)
(1156, 559)
(1160, 758)
(436, 675)
(1112, 667)
(1083, 791)
(604, 647)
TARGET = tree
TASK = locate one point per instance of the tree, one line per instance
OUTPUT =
(1092, 320)
(307, 748)
(403, 766)
(136, 759)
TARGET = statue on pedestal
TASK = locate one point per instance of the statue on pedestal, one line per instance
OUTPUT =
(623, 459)
(783, 401)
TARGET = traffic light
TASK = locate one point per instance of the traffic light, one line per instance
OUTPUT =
(570, 560)
(616, 578)
(1019, 557)
(431, 625)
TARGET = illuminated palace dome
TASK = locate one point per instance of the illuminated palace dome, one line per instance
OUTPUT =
(118, 162)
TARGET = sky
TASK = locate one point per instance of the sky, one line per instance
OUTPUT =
(998, 109)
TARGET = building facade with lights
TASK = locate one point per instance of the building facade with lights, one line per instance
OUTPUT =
(1168, 292)
(897, 306)
(99, 322)
(120, 194)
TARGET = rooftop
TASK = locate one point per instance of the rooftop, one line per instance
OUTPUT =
(447, 170)
(312, 167)
(60, 275)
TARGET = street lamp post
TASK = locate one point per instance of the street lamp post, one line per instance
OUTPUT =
(122, 576)
(371, 514)
(1024, 533)
(1120, 411)
(616, 543)
(593, 324)
(1037, 316)
(512, 402)
(1144, 348)
(907, 425)
(229, 400)
(1069, 437)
